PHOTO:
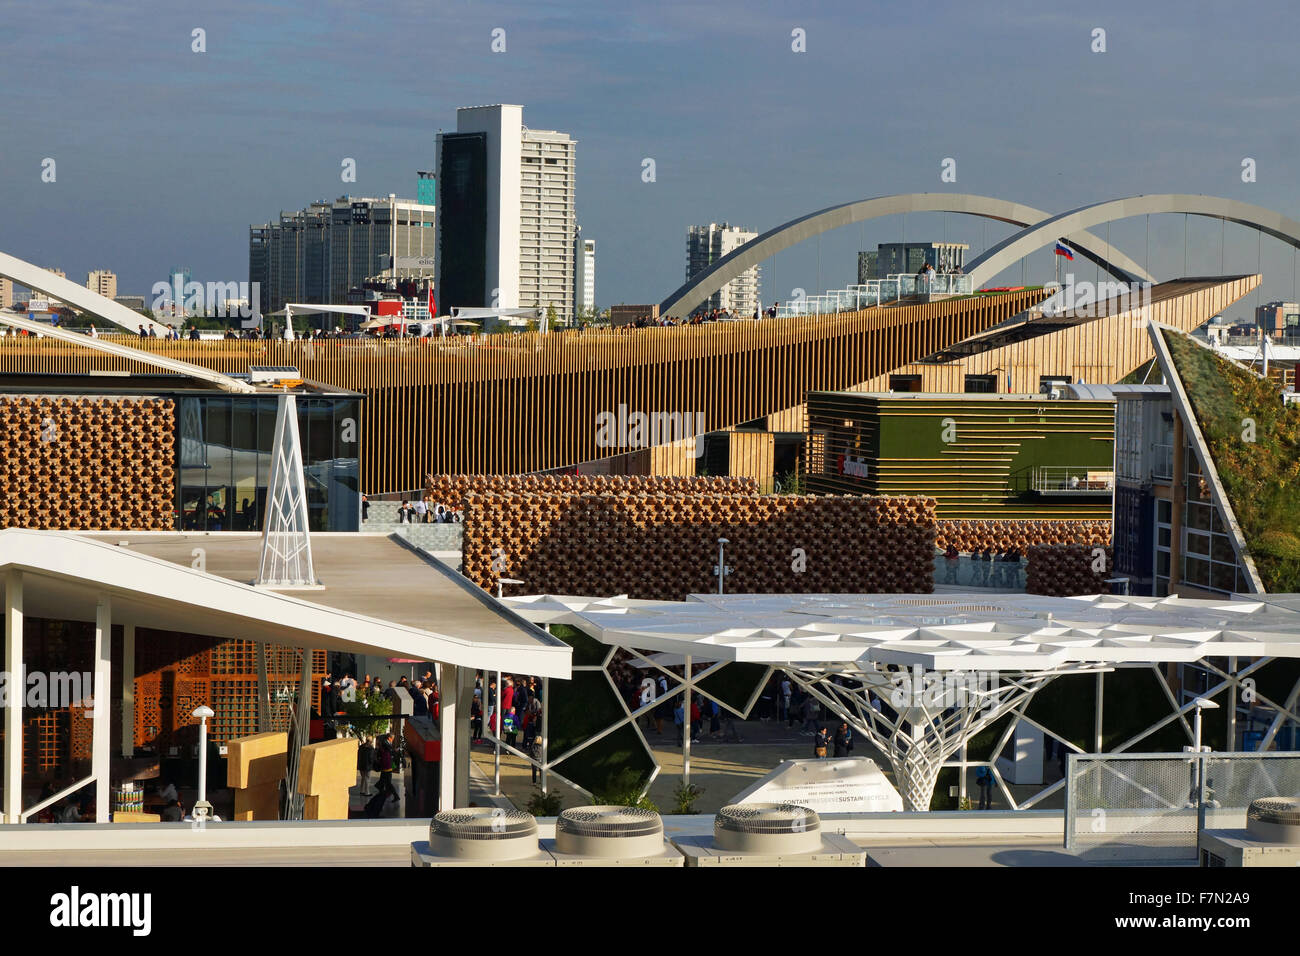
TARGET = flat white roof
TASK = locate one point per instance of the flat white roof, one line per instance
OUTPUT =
(380, 596)
(1011, 632)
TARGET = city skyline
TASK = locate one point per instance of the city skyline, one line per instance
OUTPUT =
(1136, 118)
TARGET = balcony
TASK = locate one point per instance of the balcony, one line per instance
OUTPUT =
(1071, 480)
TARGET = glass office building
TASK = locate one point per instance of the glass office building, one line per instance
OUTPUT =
(225, 460)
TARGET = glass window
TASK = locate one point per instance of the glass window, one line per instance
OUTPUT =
(1196, 571)
(1197, 543)
(1164, 510)
(1223, 576)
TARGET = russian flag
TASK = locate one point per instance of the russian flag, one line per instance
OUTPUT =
(1063, 250)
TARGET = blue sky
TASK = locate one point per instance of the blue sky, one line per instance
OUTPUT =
(165, 156)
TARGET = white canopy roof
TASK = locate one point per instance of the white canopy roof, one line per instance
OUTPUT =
(380, 596)
(1005, 632)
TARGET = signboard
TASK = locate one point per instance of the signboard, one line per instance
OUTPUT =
(846, 785)
(854, 467)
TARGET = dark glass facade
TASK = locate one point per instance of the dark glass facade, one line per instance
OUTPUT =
(462, 254)
(225, 461)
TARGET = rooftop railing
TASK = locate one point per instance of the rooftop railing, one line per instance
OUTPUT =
(877, 292)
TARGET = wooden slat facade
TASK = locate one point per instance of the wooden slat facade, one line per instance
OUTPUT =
(522, 403)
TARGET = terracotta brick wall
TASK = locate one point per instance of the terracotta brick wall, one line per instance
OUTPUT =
(87, 464)
(452, 489)
(1064, 570)
(663, 546)
(1021, 534)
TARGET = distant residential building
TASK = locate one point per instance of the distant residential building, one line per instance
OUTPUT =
(1279, 318)
(584, 275)
(40, 298)
(6, 293)
(506, 213)
(321, 253)
(705, 245)
(103, 282)
(907, 258)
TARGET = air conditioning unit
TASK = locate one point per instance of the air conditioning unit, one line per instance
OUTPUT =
(273, 374)
(481, 836)
(610, 836)
(769, 834)
(1271, 837)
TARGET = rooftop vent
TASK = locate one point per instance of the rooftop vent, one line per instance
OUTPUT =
(609, 832)
(1274, 820)
(771, 828)
(483, 833)
(271, 374)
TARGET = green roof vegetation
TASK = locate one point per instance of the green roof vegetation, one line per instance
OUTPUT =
(1261, 476)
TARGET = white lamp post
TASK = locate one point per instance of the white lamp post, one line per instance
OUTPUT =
(202, 809)
(1202, 703)
(721, 570)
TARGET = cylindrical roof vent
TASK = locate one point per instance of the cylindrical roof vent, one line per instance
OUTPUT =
(483, 833)
(768, 828)
(1274, 820)
(609, 832)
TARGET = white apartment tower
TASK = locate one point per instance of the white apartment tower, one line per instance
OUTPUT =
(584, 274)
(705, 245)
(506, 214)
(103, 282)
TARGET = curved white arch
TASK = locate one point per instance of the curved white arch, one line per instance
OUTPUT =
(1004, 254)
(77, 296)
(700, 287)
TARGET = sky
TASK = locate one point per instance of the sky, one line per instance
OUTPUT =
(164, 156)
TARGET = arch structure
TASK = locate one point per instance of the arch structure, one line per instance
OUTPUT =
(77, 296)
(700, 287)
(1004, 254)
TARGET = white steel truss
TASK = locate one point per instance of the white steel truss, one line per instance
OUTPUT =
(286, 542)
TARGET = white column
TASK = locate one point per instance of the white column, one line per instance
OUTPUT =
(546, 726)
(100, 746)
(686, 724)
(460, 769)
(13, 772)
(496, 744)
(128, 690)
(448, 708)
(1096, 727)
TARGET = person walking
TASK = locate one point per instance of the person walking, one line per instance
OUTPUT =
(365, 763)
(984, 780)
(809, 716)
(821, 741)
(843, 740)
(787, 689)
(387, 759)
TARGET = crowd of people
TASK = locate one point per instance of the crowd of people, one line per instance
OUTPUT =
(424, 511)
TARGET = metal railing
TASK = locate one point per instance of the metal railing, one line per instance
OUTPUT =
(1156, 804)
(876, 292)
(1071, 479)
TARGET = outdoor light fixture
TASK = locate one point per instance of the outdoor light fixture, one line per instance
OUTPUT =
(1202, 703)
(720, 569)
(202, 809)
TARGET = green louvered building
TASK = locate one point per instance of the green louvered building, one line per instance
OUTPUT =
(978, 455)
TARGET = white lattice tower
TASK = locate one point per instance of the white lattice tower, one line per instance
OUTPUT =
(286, 544)
(924, 733)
